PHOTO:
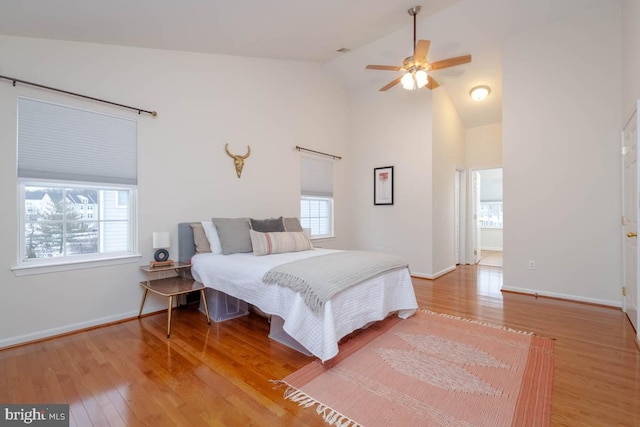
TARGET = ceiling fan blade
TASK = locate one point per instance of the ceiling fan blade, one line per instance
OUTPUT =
(422, 49)
(391, 84)
(431, 83)
(451, 62)
(384, 67)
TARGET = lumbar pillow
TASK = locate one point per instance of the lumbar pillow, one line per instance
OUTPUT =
(234, 235)
(279, 242)
(267, 225)
(212, 237)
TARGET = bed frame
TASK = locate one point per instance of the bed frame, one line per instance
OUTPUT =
(225, 307)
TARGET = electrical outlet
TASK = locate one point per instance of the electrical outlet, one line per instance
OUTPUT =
(532, 265)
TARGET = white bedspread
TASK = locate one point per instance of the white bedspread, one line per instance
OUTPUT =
(240, 275)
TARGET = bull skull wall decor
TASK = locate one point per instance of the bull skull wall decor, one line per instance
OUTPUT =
(238, 161)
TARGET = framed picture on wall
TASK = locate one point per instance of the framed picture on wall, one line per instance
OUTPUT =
(383, 186)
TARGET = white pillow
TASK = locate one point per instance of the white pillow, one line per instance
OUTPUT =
(212, 236)
(307, 232)
(279, 242)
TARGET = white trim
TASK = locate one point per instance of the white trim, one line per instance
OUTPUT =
(616, 304)
(27, 270)
(53, 332)
(433, 276)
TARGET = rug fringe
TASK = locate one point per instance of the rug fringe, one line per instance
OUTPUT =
(477, 322)
(329, 415)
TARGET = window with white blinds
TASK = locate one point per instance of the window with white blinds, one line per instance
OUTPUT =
(77, 177)
(316, 201)
(56, 142)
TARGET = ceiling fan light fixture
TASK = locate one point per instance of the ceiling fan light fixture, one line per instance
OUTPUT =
(408, 81)
(479, 93)
(414, 79)
(421, 78)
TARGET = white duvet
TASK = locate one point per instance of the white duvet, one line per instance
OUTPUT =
(240, 275)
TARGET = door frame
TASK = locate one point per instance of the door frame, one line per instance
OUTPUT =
(460, 217)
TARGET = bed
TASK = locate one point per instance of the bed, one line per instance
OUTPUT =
(293, 321)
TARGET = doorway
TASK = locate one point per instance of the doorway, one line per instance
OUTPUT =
(487, 217)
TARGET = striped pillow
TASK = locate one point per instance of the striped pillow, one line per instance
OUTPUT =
(279, 242)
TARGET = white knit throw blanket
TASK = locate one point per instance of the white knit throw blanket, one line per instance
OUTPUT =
(319, 278)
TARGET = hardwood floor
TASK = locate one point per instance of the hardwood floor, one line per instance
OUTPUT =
(491, 258)
(129, 374)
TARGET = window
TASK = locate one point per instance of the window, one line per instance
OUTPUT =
(57, 228)
(316, 200)
(491, 214)
(316, 213)
(77, 177)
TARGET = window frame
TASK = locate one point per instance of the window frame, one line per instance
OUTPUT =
(26, 266)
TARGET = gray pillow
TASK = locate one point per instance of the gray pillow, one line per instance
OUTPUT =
(270, 225)
(292, 224)
(234, 235)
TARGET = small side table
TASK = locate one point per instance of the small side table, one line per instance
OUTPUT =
(171, 287)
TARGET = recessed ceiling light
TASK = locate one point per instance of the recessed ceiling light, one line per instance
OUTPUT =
(479, 93)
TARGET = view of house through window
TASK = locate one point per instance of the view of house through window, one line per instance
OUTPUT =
(66, 221)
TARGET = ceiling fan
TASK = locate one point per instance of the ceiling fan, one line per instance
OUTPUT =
(415, 67)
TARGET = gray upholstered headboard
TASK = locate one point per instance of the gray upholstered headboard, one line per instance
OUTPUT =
(186, 244)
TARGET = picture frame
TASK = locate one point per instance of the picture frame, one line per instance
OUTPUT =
(383, 185)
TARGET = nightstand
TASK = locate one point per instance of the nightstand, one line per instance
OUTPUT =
(171, 287)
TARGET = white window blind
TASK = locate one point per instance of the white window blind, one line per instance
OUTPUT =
(317, 177)
(62, 143)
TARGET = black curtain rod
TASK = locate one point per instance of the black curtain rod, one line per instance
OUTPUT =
(318, 152)
(139, 110)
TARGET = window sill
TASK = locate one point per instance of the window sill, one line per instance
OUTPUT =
(27, 270)
(322, 239)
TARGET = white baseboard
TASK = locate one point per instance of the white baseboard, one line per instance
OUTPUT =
(617, 304)
(50, 333)
(491, 248)
(433, 276)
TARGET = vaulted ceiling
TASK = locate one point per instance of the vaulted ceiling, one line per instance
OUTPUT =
(375, 31)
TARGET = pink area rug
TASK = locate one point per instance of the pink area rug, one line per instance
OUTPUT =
(431, 370)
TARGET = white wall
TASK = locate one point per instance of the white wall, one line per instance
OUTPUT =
(203, 101)
(630, 57)
(561, 139)
(393, 128)
(491, 239)
(448, 155)
(484, 146)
